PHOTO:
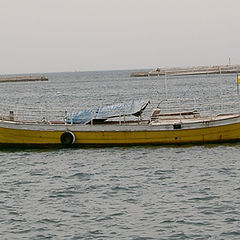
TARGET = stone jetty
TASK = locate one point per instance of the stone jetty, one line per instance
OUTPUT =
(23, 78)
(197, 70)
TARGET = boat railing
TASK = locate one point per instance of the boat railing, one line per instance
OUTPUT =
(206, 107)
(32, 114)
(184, 106)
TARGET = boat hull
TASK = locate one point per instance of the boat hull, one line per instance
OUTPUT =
(17, 135)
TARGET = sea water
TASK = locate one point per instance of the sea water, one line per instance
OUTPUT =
(140, 192)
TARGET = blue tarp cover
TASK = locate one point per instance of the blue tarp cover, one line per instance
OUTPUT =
(134, 107)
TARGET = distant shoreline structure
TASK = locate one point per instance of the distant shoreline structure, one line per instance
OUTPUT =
(23, 79)
(183, 71)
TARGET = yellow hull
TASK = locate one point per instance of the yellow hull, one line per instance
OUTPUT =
(224, 133)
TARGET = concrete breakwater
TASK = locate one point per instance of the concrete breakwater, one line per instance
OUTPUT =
(197, 70)
(23, 78)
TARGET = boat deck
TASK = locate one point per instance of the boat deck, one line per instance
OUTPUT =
(199, 119)
(161, 120)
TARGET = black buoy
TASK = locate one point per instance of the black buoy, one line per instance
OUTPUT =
(67, 138)
(177, 126)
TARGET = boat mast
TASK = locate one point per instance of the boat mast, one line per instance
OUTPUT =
(238, 81)
(221, 88)
(165, 85)
(166, 89)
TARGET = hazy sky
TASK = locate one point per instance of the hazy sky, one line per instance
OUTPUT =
(68, 35)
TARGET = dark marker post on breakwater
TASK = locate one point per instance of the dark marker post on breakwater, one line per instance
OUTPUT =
(23, 78)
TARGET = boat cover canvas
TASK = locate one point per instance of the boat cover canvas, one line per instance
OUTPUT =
(134, 107)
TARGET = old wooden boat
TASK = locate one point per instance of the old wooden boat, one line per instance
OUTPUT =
(114, 125)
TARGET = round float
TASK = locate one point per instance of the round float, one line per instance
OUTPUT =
(67, 138)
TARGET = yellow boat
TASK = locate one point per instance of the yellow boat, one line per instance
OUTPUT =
(161, 128)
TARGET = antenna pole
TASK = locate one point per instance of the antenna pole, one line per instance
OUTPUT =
(237, 84)
(221, 87)
(165, 85)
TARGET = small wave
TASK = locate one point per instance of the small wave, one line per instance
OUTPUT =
(142, 238)
(167, 221)
(48, 220)
(119, 188)
(117, 214)
(3, 191)
(21, 231)
(44, 236)
(81, 175)
(14, 220)
(131, 200)
(14, 213)
(193, 223)
(208, 212)
(96, 232)
(180, 235)
(106, 218)
(18, 183)
(208, 198)
(63, 194)
(231, 220)
(37, 173)
(232, 233)
(161, 171)
(57, 177)
(164, 177)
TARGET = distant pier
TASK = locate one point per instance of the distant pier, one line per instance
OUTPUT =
(197, 70)
(23, 79)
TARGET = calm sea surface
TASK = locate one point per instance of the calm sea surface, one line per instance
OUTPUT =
(141, 192)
